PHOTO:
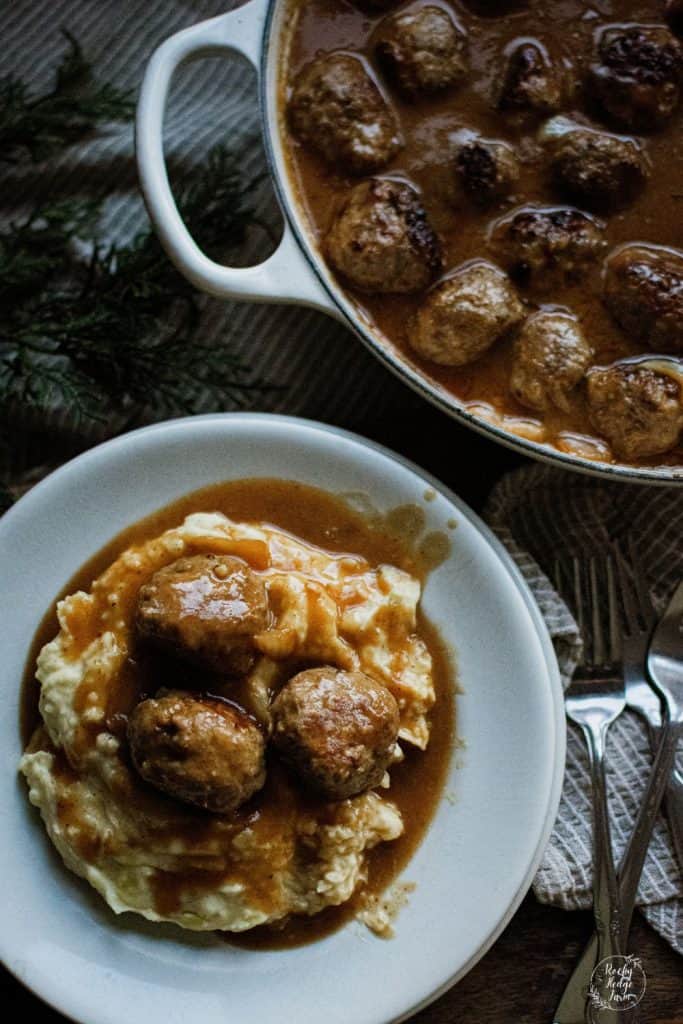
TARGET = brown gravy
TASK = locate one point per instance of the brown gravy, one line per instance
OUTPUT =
(327, 521)
(566, 28)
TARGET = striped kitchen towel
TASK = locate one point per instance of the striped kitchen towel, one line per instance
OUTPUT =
(542, 514)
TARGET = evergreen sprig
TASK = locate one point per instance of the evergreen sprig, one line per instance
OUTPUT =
(104, 333)
(115, 333)
(35, 127)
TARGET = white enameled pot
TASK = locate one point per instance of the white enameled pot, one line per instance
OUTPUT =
(295, 272)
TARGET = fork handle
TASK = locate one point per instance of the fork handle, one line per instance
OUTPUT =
(631, 866)
(673, 798)
(674, 810)
(606, 904)
(572, 1005)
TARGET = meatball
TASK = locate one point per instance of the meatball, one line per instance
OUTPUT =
(464, 315)
(551, 356)
(598, 170)
(337, 108)
(381, 241)
(488, 170)
(205, 609)
(636, 78)
(422, 51)
(644, 293)
(200, 750)
(531, 81)
(547, 247)
(336, 729)
(638, 409)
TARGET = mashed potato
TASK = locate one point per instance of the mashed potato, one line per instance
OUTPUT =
(280, 854)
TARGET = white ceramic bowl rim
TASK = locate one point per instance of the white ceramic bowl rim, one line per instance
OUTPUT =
(83, 1004)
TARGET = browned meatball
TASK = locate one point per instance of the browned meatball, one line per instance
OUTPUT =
(381, 240)
(200, 750)
(644, 294)
(205, 609)
(487, 169)
(336, 107)
(422, 50)
(531, 83)
(636, 78)
(636, 408)
(336, 729)
(545, 247)
(596, 169)
(551, 356)
(464, 315)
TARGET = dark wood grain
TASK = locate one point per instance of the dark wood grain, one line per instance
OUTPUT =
(521, 979)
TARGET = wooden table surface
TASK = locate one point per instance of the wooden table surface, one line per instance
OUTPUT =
(521, 979)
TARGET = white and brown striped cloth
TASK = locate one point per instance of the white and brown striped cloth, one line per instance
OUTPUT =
(323, 373)
(541, 515)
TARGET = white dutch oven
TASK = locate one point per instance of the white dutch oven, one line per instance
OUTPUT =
(295, 272)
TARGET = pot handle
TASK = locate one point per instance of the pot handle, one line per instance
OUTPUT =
(286, 275)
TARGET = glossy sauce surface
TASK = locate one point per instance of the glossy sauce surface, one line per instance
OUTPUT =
(431, 126)
(416, 784)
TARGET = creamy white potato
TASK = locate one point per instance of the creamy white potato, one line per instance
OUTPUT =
(148, 853)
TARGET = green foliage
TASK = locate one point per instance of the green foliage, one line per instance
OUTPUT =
(115, 332)
(104, 332)
(35, 127)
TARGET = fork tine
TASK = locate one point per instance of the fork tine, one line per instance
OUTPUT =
(626, 592)
(580, 605)
(557, 577)
(594, 604)
(614, 624)
(642, 590)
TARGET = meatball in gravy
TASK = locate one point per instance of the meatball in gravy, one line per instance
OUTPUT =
(551, 356)
(637, 76)
(205, 609)
(336, 107)
(644, 294)
(464, 315)
(381, 241)
(546, 248)
(636, 408)
(488, 170)
(200, 750)
(596, 169)
(336, 729)
(422, 50)
(532, 83)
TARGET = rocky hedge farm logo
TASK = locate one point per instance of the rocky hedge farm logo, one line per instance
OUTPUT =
(617, 983)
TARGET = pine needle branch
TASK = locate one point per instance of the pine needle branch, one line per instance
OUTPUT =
(35, 127)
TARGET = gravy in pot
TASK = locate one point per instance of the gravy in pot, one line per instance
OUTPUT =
(433, 127)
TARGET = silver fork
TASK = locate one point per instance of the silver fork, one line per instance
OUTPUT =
(572, 1006)
(640, 695)
(594, 700)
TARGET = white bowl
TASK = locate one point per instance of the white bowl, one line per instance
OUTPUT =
(481, 851)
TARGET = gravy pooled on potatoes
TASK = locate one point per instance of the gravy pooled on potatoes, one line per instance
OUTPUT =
(244, 722)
